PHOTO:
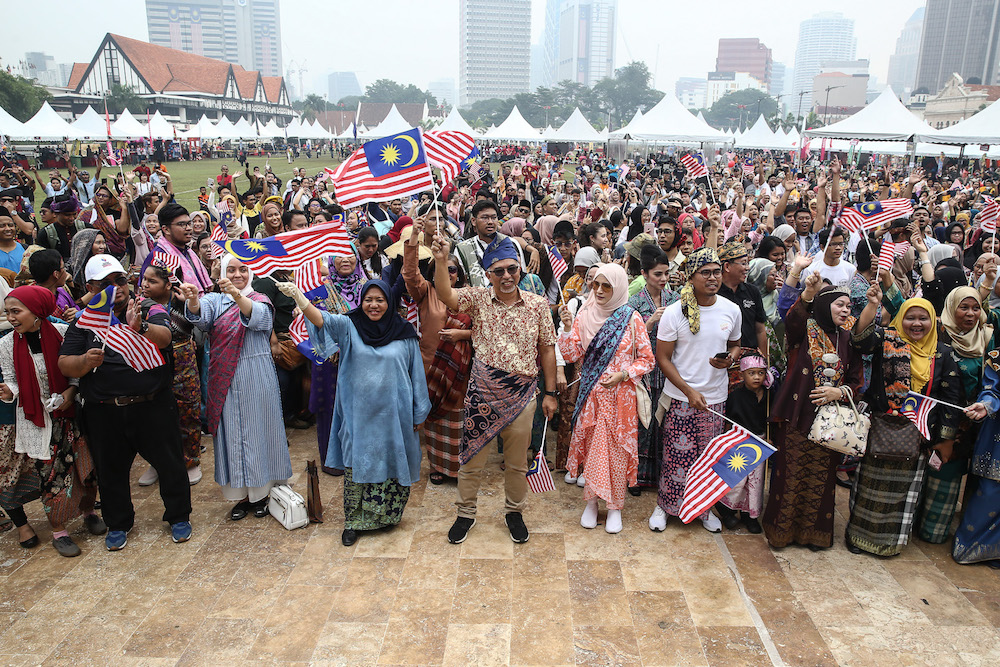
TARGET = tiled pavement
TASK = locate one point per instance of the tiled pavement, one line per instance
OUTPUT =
(253, 593)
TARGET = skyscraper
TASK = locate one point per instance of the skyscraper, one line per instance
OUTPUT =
(494, 49)
(548, 67)
(586, 40)
(963, 37)
(745, 55)
(242, 32)
(341, 85)
(826, 36)
(777, 84)
(903, 63)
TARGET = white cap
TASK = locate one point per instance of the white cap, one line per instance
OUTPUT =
(101, 266)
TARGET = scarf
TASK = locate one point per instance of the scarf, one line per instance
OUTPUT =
(760, 269)
(192, 267)
(390, 327)
(970, 344)
(921, 351)
(80, 249)
(228, 332)
(227, 259)
(600, 351)
(545, 226)
(822, 335)
(118, 245)
(448, 372)
(514, 227)
(349, 286)
(689, 303)
(593, 315)
(42, 303)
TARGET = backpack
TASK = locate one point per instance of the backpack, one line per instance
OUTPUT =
(52, 236)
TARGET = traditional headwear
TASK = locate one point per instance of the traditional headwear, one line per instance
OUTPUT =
(822, 304)
(388, 328)
(733, 250)
(921, 350)
(397, 227)
(228, 259)
(969, 344)
(752, 361)
(499, 249)
(65, 204)
(689, 303)
(396, 249)
(592, 315)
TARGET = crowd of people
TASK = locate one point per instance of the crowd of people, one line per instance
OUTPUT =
(629, 309)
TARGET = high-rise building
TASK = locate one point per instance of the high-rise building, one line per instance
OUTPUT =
(776, 86)
(494, 49)
(903, 63)
(586, 40)
(745, 55)
(548, 65)
(242, 32)
(825, 36)
(443, 91)
(963, 37)
(341, 85)
(691, 92)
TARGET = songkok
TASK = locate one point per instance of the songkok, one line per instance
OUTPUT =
(732, 251)
(499, 249)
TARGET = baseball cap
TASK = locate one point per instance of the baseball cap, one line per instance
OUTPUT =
(101, 266)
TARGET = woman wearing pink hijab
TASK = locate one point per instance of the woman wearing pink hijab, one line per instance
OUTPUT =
(611, 339)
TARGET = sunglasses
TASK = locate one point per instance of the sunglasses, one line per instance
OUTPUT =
(510, 270)
(120, 281)
(453, 270)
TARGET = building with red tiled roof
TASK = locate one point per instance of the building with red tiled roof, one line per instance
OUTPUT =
(181, 86)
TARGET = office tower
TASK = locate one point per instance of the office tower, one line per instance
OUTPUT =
(494, 49)
(961, 38)
(745, 55)
(341, 85)
(548, 65)
(691, 92)
(242, 32)
(443, 91)
(776, 86)
(825, 36)
(586, 40)
(903, 63)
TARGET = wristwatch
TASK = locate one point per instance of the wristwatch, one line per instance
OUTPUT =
(551, 393)
(143, 327)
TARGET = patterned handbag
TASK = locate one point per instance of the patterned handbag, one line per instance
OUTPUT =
(643, 402)
(894, 437)
(841, 428)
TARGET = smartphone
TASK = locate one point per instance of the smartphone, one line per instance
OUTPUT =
(935, 461)
(722, 355)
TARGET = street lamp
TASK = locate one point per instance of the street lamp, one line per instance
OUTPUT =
(547, 115)
(826, 114)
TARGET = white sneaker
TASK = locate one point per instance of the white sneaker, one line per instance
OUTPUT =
(149, 477)
(613, 524)
(581, 481)
(194, 475)
(589, 518)
(658, 521)
(712, 523)
(569, 479)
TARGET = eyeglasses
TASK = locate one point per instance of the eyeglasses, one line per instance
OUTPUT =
(710, 273)
(120, 281)
(487, 218)
(453, 270)
(181, 224)
(510, 270)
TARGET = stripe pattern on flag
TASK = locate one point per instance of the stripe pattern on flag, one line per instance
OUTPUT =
(539, 477)
(695, 165)
(308, 277)
(447, 150)
(704, 486)
(870, 215)
(300, 246)
(139, 353)
(355, 184)
(988, 215)
(886, 255)
(557, 262)
(917, 408)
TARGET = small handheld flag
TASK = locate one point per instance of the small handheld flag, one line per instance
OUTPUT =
(139, 353)
(308, 277)
(300, 336)
(449, 150)
(695, 165)
(290, 250)
(539, 477)
(413, 314)
(169, 262)
(97, 315)
(886, 255)
(988, 215)
(384, 169)
(557, 262)
(917, 407)
(870, 215)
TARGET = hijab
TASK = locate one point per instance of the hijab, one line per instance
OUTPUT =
(921, 350)
(545, 226)
(513, 227)
(783, 232)
(760, 269)
(939, 253)
(42, 303)
(972, 343)
(80, 251)
(348, 286)
(586, 256)
(948, 274)
(593, 315)
(389, 328)
(822, 308)
(228, 259)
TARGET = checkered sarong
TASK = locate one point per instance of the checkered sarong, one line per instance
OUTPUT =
(884, 500)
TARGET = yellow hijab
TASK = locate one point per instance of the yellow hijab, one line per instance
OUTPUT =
(921, 350)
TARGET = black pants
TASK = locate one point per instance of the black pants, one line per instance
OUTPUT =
(116, 434)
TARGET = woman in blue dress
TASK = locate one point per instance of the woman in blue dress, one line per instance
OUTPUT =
(381, 402)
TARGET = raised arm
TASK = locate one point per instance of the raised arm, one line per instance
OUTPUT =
(819, 222)
(442, 284)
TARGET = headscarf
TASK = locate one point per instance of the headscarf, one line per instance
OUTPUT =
(513, 227)
(948, 274)
(397, 227)
(783, 232)
(387, 329)
(42, 303)
(760, 269)
(80, 250)
(592, 315)
(545, 225)
(822, 305)
(921, 350)
(586, 256)
(940, 252)
(227, 259)
(972, 343)
(689, 303)
(349, 286)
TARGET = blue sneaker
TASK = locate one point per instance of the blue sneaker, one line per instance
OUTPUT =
(116, 540)
(180, 531)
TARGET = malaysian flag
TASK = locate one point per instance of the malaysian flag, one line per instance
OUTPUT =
(169, 262)
(988, 215)
(448, 150)
(474, 170)
(557, 262)
(695, 165)
(539, 477)
(384, 169)
(748, 167)
(139, 353)
(726, 461)
(309, 277)
(901, 248)
(917, 407)
(220, 232)
(290, 250)
(300, 336)
(874, 213)
(412, 314)
(97, 315)
(886, 255)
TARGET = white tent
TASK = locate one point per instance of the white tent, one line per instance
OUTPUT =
(549, 133)
(885, 119)
(514, 128)
(225, 129)
(160, 128)
(621, 132)
(271, 131)
(393, 123)
(605, 133)
(668, 121)
(127, 127)
(245, 129)
(759, 136)
(794, 140)
(701, 117)
(348, 132)
(576, 129)
(983, 128)
(47, 124)
(456, 123)
(10, 126)
(90, 125)
(321, 132)
(293, 128)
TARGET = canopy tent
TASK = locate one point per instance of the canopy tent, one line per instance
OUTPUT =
(983, 128)
(622, 132)
(202, 129)
(320, 131)
(160, 128)
(549, 133)
(245, 129)
(90, 125)
(225, 130)
(456, 123)
(759, 136)
(271, 131)
(348, 132)
(514, 128)
(10, 126)
(668, 121)
(128, 128)
(294, 128)
(605, 133)
(576, 129)
(794, 140)
(393, 123)
(701, 117)
(885, 119)
(47, 124)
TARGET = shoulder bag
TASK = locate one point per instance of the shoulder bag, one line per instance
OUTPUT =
(841, 428)
(643, 403)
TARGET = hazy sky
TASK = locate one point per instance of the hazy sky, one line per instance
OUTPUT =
(416, 41)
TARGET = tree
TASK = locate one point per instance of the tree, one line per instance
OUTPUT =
(387, 90)
(741, 107)
(19, 97)
(311, 105)
(122, 97)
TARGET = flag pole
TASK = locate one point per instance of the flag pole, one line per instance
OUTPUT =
(754, 435)
(937, 400)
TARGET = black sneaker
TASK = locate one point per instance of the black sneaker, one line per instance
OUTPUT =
(66, 546)
(752, 525)
(460, 529)
(730, 518)
(515, 524)
(95, 525)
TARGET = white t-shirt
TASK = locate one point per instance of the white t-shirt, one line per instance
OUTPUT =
(839, 275)
(720, 323)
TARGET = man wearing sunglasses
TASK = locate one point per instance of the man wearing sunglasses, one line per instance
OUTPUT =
(486, 222)
(511, 329)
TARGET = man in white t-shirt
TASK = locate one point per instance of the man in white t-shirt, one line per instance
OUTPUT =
(830, 266)
(699, 338)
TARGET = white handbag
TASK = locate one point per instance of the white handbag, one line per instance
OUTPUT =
(841, 428)
(288, 507)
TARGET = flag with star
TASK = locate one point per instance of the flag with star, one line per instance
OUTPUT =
(289, 250)
(384, 169)
(727, 460)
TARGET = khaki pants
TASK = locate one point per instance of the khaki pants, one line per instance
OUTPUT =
(516, 439)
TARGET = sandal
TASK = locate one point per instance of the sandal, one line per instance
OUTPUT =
(437, 478)
(240, 510)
